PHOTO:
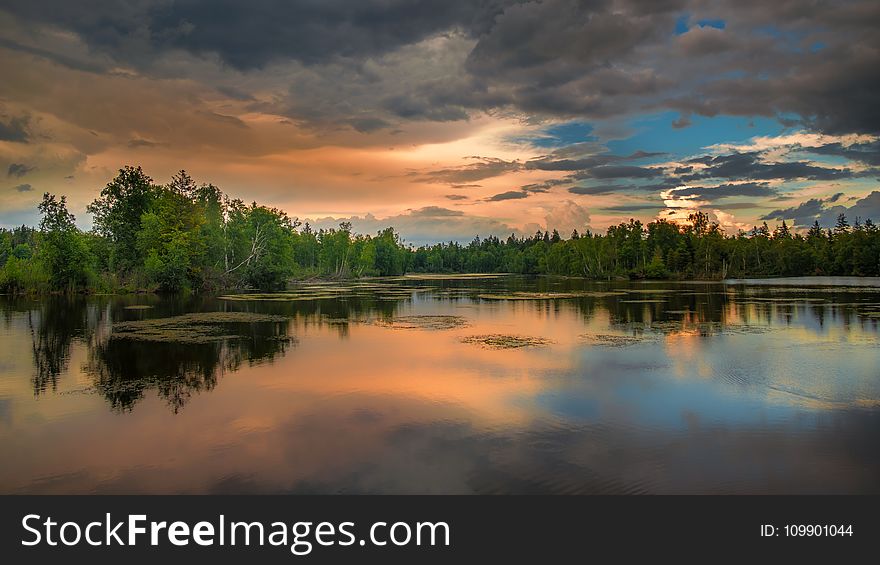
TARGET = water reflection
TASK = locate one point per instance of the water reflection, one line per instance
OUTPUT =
(53, 325)
(123, 370)
(656, 387)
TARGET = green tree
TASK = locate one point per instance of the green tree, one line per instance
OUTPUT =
(117, 215)
(62, 249)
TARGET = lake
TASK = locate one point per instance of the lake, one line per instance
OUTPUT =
(495, 384)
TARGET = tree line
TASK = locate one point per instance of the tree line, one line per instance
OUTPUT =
(698, 249)
(182, 236)
(188, 236)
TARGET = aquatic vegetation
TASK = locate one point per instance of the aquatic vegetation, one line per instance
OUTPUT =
(424, 322)
(450, 276)
(340, 321)
(138, 307)
(617, 340)
(787, 299)
(276, 297)
(666, 327)
(505, 341)
(332, 291)
(201, 327)
(550, 295)
(656, 291)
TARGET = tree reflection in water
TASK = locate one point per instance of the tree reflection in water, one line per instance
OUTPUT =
(124, 370)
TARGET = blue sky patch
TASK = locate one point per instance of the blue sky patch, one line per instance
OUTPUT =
(560, 135)
(682, 25)
(717, 24)
(655, 133)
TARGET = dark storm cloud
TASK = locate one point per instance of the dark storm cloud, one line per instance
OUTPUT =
(711, 194)
(802, 62)
(749, 166)
(247, 35)
(803, 214)
(548, 163)
(416, 107)
(746, 173)
(682, 122)
(18, 170)
(868, 153)
(484, 168)
(602, 58)
(591, 167)
(599, 189)
(509, 195)
(367, 125)
(60, 58)
(623, 171)
(14, 128)
(565, 57)
(867, 207)
(545, 186)
(234, 93)
(627, 208)
(553, 162)
(816, 209)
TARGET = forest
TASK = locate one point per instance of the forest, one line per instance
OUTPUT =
(184, 236)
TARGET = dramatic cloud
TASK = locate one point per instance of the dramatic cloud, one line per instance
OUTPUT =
(629, 208)
(816, 209)
(509, 195)
(750, 166)
(622, 172)
(349, 108)
(14, 128)
(711, 194)
(868, 153)
(18, 170)
(484, 168)
(560, 58)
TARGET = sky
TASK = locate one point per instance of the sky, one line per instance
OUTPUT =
(452, 118)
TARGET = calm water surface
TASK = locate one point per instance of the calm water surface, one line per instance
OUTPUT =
(411, 386)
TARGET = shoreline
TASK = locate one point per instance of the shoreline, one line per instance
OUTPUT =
(827, 281)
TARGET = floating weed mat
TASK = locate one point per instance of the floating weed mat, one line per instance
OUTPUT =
(202, 327)
(449, 277)
(330, 291)
(424, 322)
(138, 307)
(337, 321)
(550, 295)
(460, 291)
(279, 297)
(787, 299)
(504, 341)
(617, 340)
(666, 327)
(657, 291)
